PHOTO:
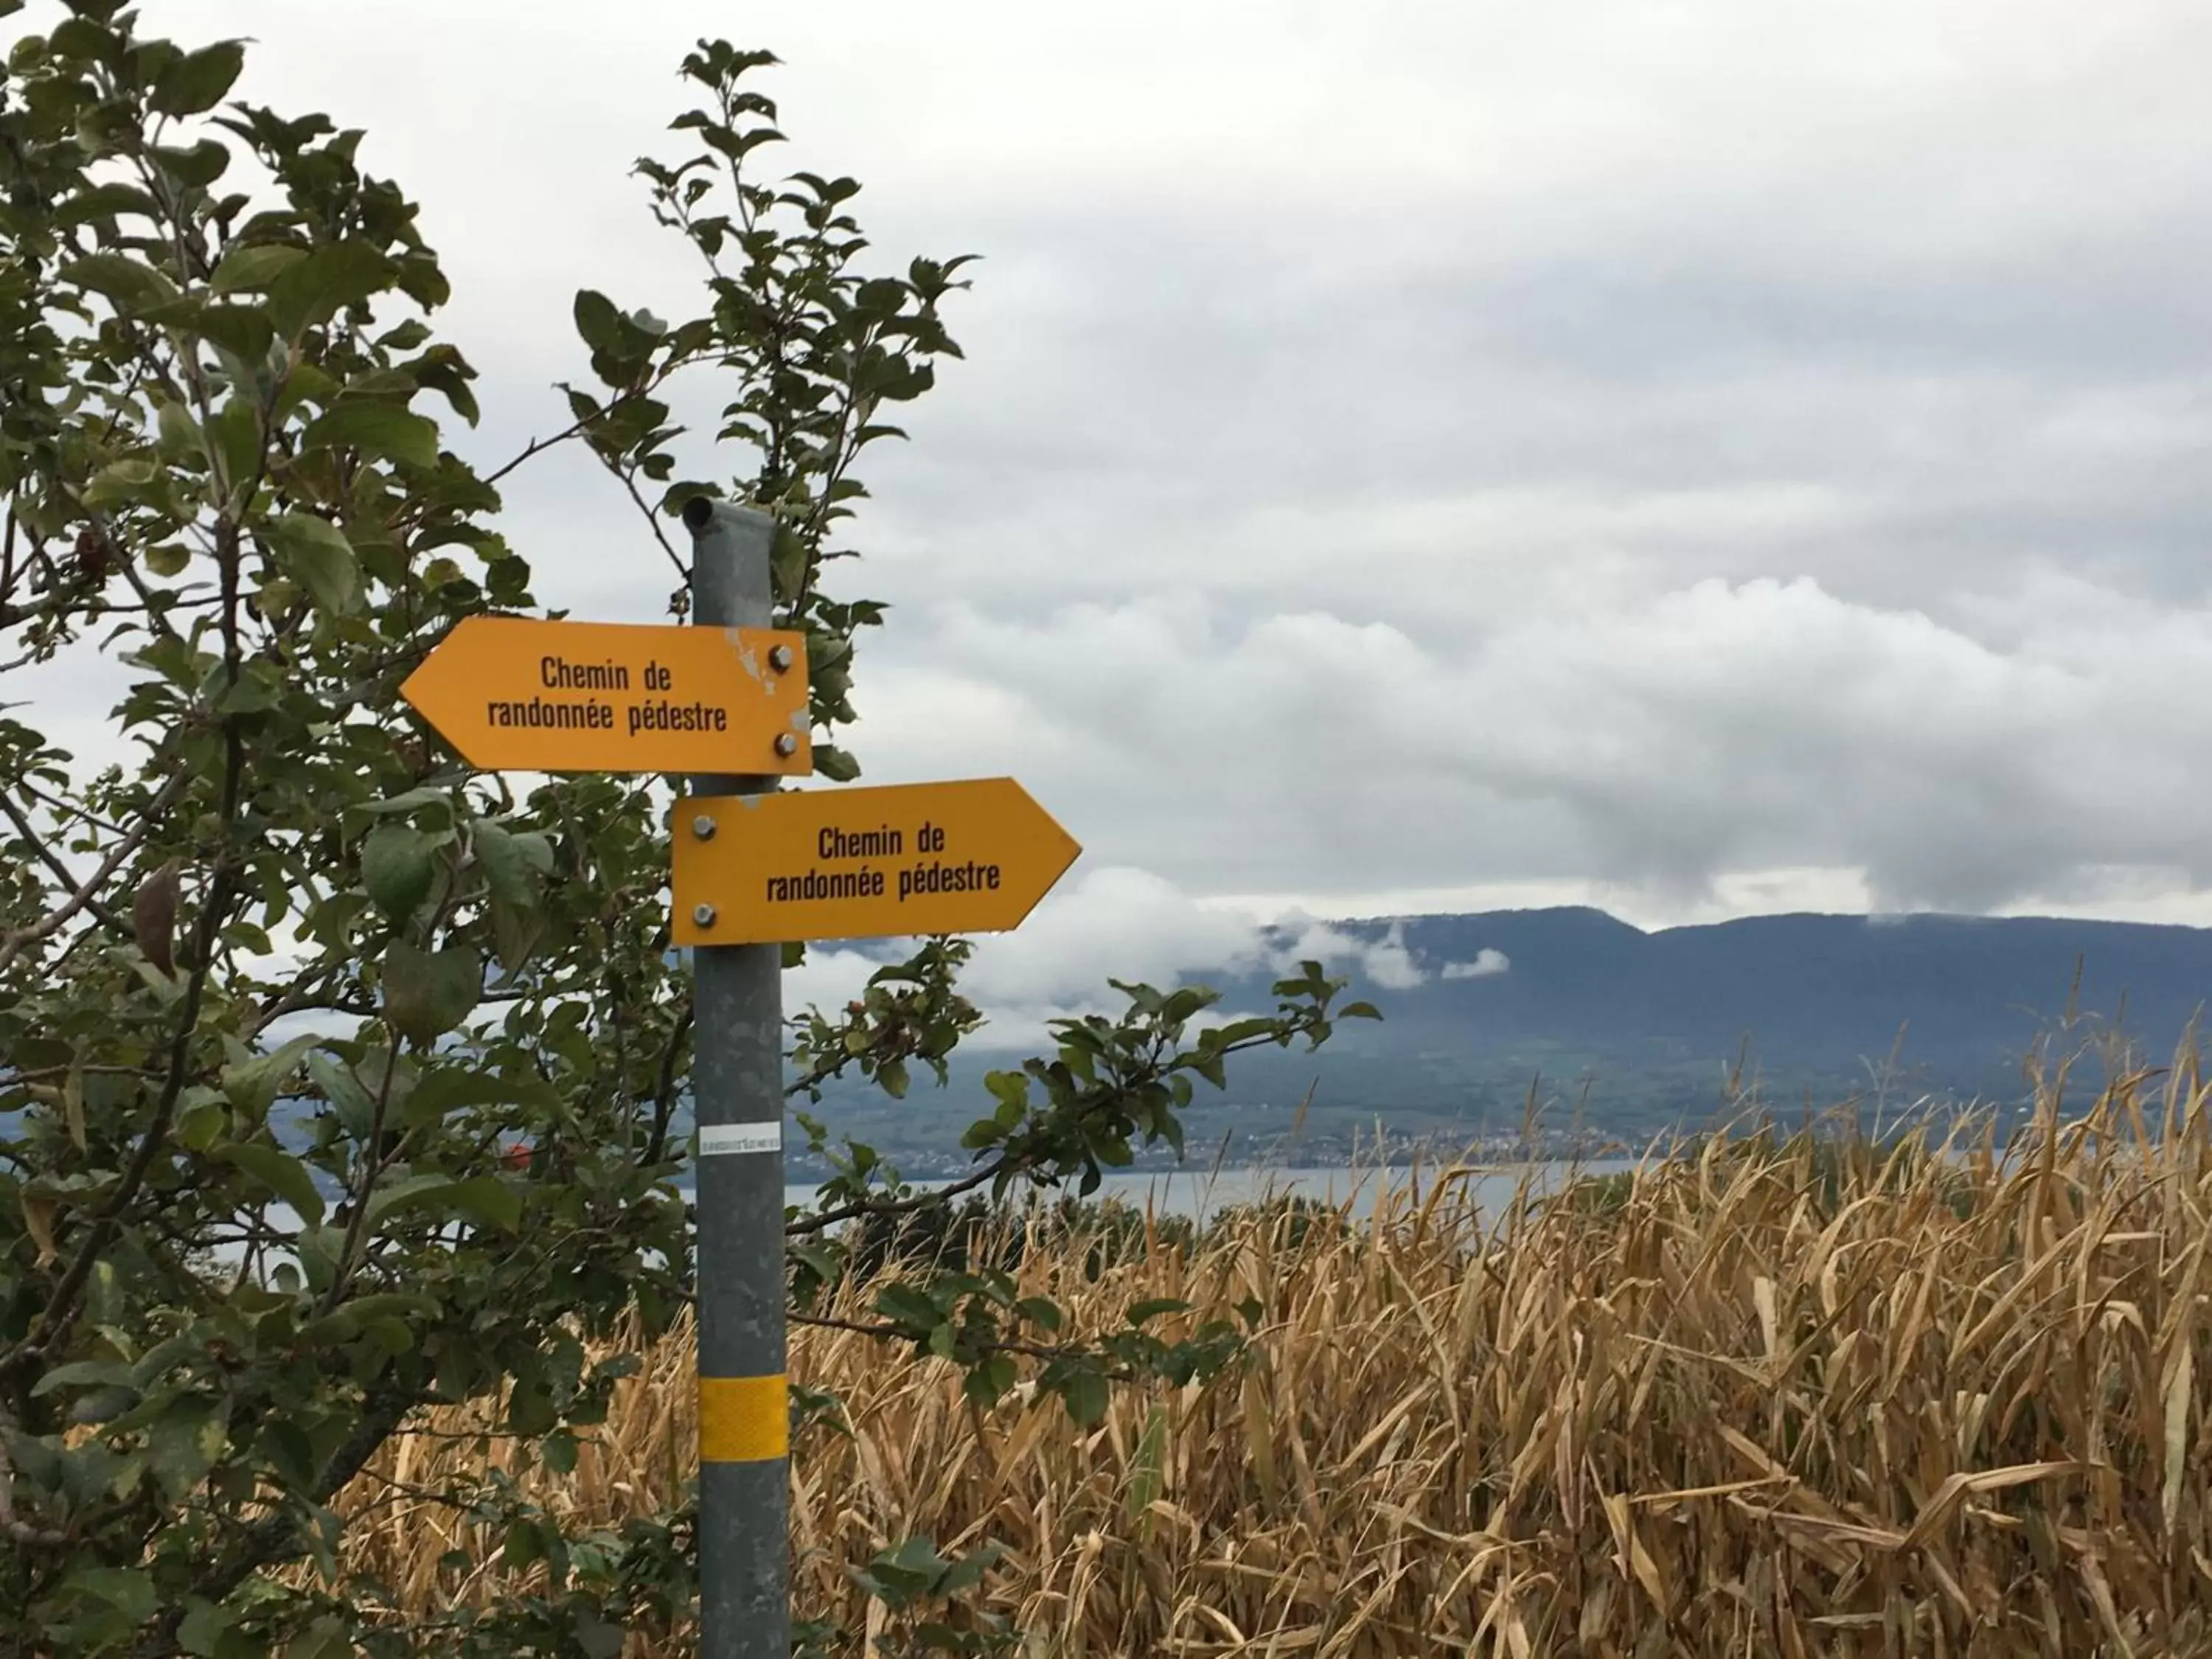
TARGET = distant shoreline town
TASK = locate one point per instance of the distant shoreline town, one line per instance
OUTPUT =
(1326, 1149)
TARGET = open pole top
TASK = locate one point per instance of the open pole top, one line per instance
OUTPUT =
(732, 586)
(738, 591)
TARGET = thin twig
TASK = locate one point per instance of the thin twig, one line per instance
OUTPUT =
(373, 1165)
(882, 1330)
(663, 1095)
(539, 445)
(21, 1532)
(61, 1306)
(629, 483)
(45, 856)
(815, 1223)
(15, 943)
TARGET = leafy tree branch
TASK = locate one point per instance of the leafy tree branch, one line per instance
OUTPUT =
(338, 1082)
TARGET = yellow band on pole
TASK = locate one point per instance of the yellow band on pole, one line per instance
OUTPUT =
(742, 1420)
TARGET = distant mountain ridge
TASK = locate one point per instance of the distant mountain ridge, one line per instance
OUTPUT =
(1806, 977)
(1628, 1033)
(1631, 1032)
(1820, 999)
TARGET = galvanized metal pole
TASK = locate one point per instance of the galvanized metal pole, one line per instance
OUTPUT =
(737, 1088)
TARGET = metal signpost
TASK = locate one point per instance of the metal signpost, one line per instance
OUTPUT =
(737, 1088)
(726, 701)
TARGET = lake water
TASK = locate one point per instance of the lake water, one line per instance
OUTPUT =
(1201, 1195)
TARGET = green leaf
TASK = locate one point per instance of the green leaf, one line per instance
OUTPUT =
(201, 1125)
(130, 285)
(179, 432)
(195, 83)
(119, 482)
(513, 864)
(195, 168)
(352, 1105)
(316, 553)
(489, 1199)
(163, 1359)
(413, 801)
(908, 1305)
(326, 1638)
(525, 1545)
(598, 321)
(1145, 1478)
(81, 1373)
(240, 330)
(834, 763)
(103, 1404)
(381, 429)
(237, 430)
(990, 1382)
(113, 200)
(81, 37)
(517, 930)
(185, 1443)
(309, 293)
(126, 1591)
(398, 869)
(253, 1086)
(427, 995)
(450, 1089)
(414, 1192)
(204, 1626)
(251, 268)
(281, 1173)
(1084, 1396)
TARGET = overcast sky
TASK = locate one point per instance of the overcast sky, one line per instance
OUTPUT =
(1701, 459)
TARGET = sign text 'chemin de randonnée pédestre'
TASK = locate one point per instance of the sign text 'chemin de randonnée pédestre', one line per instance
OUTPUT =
(876, 874)
(518, 694)
(972, 856)
(650, 714)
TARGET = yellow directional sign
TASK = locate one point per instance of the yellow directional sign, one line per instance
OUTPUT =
(973, 857)
(514, 694)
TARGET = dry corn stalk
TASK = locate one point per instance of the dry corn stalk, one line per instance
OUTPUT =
(1771, 1399)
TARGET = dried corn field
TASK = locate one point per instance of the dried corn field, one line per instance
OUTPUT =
(1771, 1399)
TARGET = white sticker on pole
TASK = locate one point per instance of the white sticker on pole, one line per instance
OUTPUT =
(717, 1138)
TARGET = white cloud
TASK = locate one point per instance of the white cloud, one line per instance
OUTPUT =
(1121, 923)
(1385, 962)
(1663, 743)
(1485, 963)
(1744, 457)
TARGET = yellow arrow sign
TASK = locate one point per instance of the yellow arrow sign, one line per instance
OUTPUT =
(973, 857)
(514, 694)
